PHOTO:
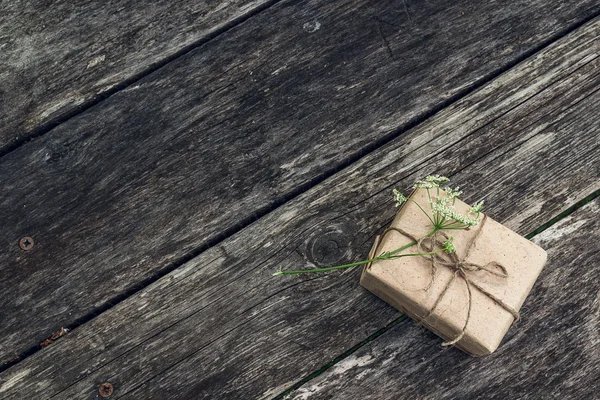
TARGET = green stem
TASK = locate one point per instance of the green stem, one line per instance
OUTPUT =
(398, 250)
(454, 225)
(308, 271)
(414, 254)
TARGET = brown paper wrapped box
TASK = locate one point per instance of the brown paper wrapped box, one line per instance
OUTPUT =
(403, 282)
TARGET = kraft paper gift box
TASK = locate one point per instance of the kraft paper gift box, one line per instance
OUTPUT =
(406, 283)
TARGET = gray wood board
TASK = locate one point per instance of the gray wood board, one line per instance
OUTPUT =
(552, 353)
(168, 167)
(221, 327)
(61, 56)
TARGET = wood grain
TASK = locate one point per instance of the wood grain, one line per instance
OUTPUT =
(168, 167)
(221, 327)
(552, 353)
(59, 57)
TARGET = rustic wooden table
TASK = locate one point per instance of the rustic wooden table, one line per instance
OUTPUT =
(166, 158)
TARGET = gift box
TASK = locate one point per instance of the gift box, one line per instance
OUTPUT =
(470, 297)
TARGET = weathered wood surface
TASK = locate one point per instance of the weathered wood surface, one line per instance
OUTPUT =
(221, 327)
(157, 173)
(61, 56)
(553, 353)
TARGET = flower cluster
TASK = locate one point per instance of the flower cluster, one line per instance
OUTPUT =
(444, 212)
(399, 197)
(430, 182)
(477, 207)
(452, 193)
(449, 245)
(444, 216)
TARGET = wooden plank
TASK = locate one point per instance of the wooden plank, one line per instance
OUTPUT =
(552, 353)
(61, 57)
(221, 327)
(159, 172)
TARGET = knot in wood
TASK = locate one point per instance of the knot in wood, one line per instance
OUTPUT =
(330, 245)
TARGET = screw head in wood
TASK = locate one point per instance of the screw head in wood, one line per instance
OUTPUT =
(106, 389)
(26, 243)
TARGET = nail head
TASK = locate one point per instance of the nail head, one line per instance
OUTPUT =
(26, 243)
(106, 389)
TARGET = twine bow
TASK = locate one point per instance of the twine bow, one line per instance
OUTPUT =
(460, 268)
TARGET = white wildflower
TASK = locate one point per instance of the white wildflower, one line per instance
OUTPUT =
(437, 179)
(477, 207)
(423, 185)
(453, 193)
(399, 197)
